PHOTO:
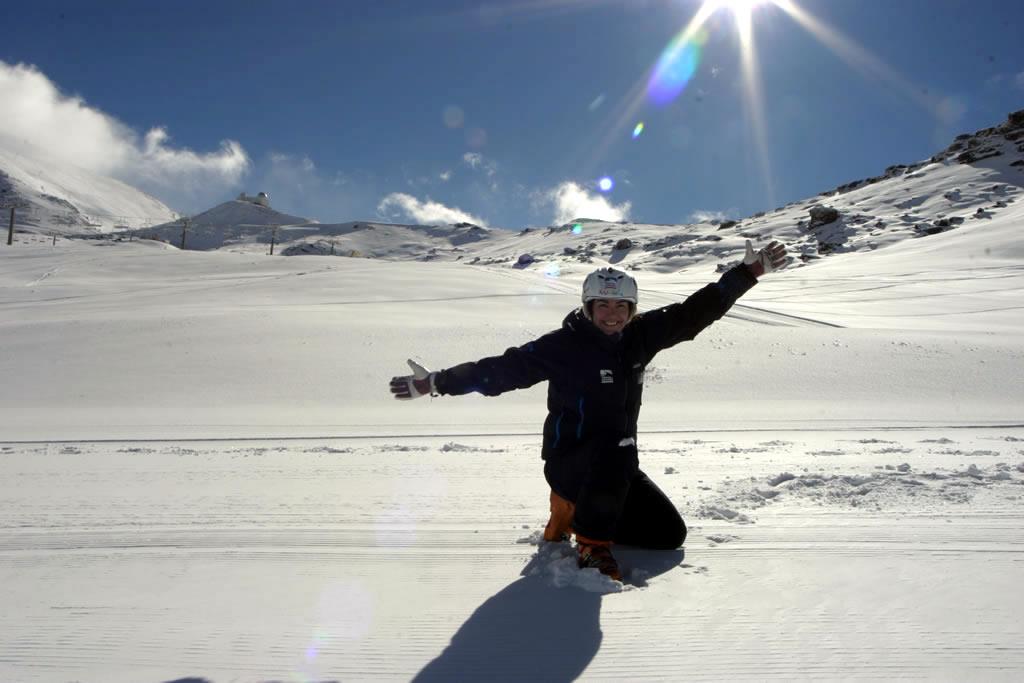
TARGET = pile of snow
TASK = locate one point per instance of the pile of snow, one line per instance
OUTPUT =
(888, 487)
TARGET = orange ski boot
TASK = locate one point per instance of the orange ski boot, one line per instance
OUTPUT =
(597, 555)
(559, 526)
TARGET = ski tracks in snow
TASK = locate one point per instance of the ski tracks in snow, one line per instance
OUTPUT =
(880, 554)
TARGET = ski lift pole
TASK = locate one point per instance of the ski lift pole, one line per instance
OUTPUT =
(273, 239)
(10, 230)
(184, 229)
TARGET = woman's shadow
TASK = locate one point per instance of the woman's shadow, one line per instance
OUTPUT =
(533, 630)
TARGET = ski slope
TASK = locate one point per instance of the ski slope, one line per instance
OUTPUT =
(205, 476)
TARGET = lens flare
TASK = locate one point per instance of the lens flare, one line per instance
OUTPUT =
(552, 269)
(605, 184)
(675, 67)
(476, 137)
(577, 228)
(639, 128)
(453, 116)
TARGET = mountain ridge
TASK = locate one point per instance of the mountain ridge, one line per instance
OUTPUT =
(975, 177)
(59, 198)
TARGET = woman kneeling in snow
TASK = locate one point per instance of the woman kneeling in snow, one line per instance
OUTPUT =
(594, 365)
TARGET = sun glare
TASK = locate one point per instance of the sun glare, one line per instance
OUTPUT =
(736, 6)
(681, 61)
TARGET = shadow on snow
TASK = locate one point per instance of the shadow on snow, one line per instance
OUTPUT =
(532, 630)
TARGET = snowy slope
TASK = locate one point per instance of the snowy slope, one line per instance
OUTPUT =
(56, 198)
(204, 476)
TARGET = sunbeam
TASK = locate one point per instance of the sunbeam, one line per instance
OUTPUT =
(754, 98)
(859, 58)
(680, 62)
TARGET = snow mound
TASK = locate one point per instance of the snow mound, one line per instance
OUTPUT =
(723, 513)
(888, 487)
(556, 563)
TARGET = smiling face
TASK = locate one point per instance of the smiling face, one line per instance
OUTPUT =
(611, 315)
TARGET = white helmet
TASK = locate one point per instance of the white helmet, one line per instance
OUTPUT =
(608, 283)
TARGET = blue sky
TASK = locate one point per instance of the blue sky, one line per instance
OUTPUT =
(504, 113)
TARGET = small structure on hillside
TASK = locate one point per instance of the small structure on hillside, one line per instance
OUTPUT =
(263, 199)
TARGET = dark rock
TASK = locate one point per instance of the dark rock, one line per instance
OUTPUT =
(623, 244)
(972, 156)
(850, 186)
(725, 225)
(822, 215)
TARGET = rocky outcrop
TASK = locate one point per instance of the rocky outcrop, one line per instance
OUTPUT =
(822, 215)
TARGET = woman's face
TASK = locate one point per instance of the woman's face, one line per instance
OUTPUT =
(611, 315)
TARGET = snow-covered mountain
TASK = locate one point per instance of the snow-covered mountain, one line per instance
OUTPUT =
(235, 221)
(973, 179)
(57, 198)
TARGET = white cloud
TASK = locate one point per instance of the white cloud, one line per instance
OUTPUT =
(445, 176)
(297, 177)
(39, 120)
(305, 164)
(297, 186)
(702, 216)
(425, 212)
(570, 201)
(478, 162)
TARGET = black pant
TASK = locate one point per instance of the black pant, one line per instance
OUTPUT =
(614, 499)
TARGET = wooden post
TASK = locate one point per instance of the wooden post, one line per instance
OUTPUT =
(54, 239)
(184, 229)
(273, 238)
(10, 230)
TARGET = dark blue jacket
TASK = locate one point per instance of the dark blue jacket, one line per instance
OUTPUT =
(595, 380)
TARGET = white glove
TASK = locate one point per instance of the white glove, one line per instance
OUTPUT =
(419, 383)
(771, 258)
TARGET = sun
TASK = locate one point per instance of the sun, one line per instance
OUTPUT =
(741, 10)
(738, 7)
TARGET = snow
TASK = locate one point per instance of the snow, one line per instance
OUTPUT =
(61, 199)
(205, 476)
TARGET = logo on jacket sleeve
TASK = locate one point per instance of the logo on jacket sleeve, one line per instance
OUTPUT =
(607, 377)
